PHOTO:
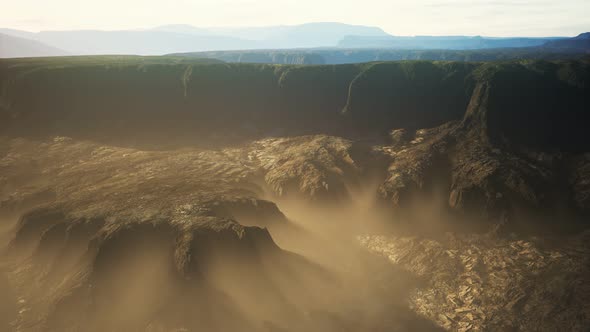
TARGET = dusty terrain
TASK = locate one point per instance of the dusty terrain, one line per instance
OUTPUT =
(203, 221)
(208, 198)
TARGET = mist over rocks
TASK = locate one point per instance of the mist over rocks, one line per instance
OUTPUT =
(493, 284)
(496, 133)
(498, 108)
(121, 215)
(172, 193)
(102, 244)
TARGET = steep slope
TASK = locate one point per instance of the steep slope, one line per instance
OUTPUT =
(164, 193)
(238, 99)
(408, 95)
(345, 56)
(509, 159)
(190, 99)
(521, 120)
(268, 96)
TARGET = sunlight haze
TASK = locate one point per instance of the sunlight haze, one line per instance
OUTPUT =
(421, 17)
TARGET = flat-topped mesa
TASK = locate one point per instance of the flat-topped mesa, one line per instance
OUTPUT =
(163, 271)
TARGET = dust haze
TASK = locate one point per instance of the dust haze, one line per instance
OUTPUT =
(315, 278)
(188, 194)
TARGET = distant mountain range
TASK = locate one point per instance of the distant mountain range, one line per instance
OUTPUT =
(186, 38)
(17, 47)
(441, 42)
(581, 43)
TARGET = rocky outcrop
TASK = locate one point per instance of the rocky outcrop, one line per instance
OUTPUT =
(478, 283)
(181, 238)
(485, 166)
(119, 217)
(104, 274)
(316, 167)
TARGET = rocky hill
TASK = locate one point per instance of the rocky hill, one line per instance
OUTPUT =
(529, 111)
(164, 194)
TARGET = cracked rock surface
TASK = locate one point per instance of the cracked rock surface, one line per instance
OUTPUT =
(407, 196)
(478, 283)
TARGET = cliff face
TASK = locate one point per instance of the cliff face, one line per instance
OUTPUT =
(557, 50)
(504, 161)
(118, 181)
(538, 104)
(126, 99)
(409, 95)
(532, 110)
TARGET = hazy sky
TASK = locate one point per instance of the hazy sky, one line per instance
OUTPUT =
(468, 17)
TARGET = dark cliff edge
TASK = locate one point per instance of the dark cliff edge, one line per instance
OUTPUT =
(112, 98)
(144, 186)
(514, 156)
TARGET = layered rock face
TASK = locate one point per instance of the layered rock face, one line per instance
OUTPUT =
(165, 195)
(502, 161)
(473, 283)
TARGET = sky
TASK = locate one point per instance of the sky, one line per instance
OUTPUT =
(418, 17)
